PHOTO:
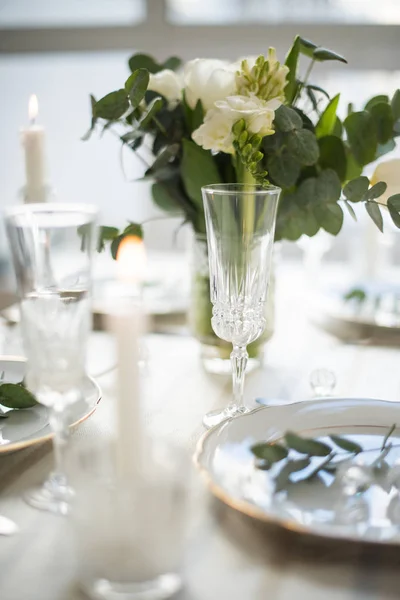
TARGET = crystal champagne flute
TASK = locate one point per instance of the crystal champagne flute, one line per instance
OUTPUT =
(51, 247)
(240, 222)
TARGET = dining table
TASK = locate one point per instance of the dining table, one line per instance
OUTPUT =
(228, 555)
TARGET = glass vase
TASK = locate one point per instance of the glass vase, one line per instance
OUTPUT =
(215, 352)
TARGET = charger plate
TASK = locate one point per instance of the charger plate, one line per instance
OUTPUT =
(24, 428)
(317, 507)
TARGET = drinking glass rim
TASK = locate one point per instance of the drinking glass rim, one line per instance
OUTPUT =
(47, 207)
(230, 189)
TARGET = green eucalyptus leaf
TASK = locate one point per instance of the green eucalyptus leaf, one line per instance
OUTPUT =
(144, 61)
(362, 136)
(307, 123)
(376, 100)
(330, 217)
(112, 106)
(106, 234)
(395, 104)
(394, 202)
(136, 86)
(133, 229)
(328, 187)
(152, 109)
(287, 119)
(270, 452)
(291, 466)
(198, 168)
(375, 191)
(283, 169)
(356, 189)
(332, 155)
(382, 115)
(346, 444)
(306, 193)
(350, 210)
(326, 123)
(306, 445)
(393, 205)
(173, 63)
(375, 213)
(291, 62)
(323, 54)
(303, 146)
(15, 395)
(307, 48)
(163, 198)
(309, 223)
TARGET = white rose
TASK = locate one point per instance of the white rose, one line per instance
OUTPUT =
(216, 132)
(389, 172)
(208, 80)
(257, 113)
(168, 84)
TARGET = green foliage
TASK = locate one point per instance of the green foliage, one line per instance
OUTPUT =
(198, 169)
(112, 106)
(393, 205)
(332, 155)
(327, 122)
(152, 109)
(355, 190)
(303, 146)
(306, 446)
(375, 213)
(291, 61)
(362, 136)
(323, 54)
(136, 86)
(106, 234)
(145, 61)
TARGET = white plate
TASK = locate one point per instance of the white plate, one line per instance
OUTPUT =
(223, 456)
(30, 426)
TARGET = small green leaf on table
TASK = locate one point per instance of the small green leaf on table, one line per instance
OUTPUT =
(306, 445)
(346, 444)
(270, 452)
(15, 395)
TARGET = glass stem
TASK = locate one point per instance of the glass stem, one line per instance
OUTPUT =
(60, 427)
(239, 358)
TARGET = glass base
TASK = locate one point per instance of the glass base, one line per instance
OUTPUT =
(216, 359)
(51, 496)
(160, 588)
(215, 417)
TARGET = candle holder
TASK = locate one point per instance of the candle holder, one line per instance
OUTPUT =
(129, 531)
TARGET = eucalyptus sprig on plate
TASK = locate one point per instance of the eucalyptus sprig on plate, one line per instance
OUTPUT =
(14, 396)
(296, 453)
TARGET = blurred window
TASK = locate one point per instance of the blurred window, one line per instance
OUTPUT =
(219, 12)
(70, 13)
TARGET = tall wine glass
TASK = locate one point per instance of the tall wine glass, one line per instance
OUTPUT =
(51, 247)
(240, 221)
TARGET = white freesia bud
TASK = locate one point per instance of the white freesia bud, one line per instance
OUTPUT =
(168, 84)
(389, 172)
(208, 80)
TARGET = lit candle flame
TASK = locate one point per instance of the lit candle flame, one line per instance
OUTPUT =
(33, 108)
(131, 260)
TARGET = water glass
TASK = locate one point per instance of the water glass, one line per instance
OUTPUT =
(51, 247)
(129, 532)
(240, 221)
